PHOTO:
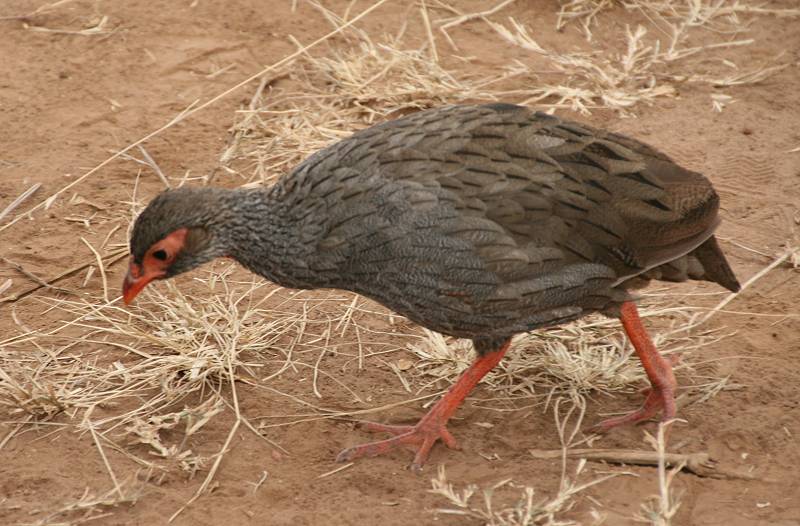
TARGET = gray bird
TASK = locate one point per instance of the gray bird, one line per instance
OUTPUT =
(479, 222)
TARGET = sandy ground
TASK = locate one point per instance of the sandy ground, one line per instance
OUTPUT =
(67, 101)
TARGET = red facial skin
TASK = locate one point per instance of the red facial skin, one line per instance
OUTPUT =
(152, 267)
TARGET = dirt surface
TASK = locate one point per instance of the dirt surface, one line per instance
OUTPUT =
(67, 101)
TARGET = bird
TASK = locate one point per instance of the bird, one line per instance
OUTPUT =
(477, 221)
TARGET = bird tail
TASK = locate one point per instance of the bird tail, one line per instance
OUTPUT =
(716, 267)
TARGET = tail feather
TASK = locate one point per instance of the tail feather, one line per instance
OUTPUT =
(715, 265)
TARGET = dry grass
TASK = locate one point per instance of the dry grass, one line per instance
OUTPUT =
(173, 361)
(647, 69)
(588, 80)
(145, 381)
(716, 15)
(661, 509)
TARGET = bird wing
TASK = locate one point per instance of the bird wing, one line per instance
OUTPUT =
(497, 213)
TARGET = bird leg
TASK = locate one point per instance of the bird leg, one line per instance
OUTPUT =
(432, 426)
(661, 395)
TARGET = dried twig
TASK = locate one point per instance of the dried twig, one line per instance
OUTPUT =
(154, 166)
(97, 28)
(42, 283)
(474, 16)
(337, 470)
(110, 259)
(18, 201)
(701, 464)
(431, 41)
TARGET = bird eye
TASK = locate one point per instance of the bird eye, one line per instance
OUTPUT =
(160, 254)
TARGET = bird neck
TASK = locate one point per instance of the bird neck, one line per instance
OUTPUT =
(265, 235)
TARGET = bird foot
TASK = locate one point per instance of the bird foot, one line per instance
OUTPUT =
(432, 426)
(420, 437)
(660, 397)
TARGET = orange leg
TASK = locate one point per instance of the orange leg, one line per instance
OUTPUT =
(432, 426)
(661, 396)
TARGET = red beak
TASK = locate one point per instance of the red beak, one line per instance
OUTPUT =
(134, 282)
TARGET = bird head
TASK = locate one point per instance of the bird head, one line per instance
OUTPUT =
(172, 235)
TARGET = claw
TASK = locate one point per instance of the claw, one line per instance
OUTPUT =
(423, 435)
(658, 399)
